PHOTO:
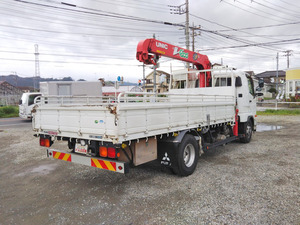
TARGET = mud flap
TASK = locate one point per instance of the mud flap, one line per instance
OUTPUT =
(166, 152)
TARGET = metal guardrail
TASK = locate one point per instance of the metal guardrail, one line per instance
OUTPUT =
(277, 104)
(130, 97)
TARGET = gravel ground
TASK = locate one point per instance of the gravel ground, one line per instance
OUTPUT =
(255, 183)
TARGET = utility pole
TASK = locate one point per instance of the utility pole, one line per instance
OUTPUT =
(277, 62)
(37, 67)
(144, 76)
(187, 25)
(183, 10)
(288, 53)
(154, 72)
(194, 34)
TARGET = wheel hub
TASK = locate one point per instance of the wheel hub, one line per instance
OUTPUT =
(189, 155)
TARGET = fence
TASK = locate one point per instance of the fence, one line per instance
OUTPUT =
(279, 105)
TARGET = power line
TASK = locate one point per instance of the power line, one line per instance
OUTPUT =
(257, 44)
(127, 4)
(69, 55)
(272, 8)
(290, 3)
(67, 62)
(230, 28)
(261, 27)
(281, 7)
(100, 13)
(263, 16)
(263, 11)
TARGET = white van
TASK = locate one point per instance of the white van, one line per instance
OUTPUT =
(26, 104)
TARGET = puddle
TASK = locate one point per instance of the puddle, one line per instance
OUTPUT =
(41, 170)
(44, 169)
(261, 127)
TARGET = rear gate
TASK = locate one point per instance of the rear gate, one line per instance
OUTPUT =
(111, 165)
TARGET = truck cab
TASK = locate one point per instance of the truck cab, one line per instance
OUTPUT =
(26, 104)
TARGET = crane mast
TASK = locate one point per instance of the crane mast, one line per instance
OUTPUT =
(149, 50)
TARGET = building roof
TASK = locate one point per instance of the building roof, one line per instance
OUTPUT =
(251, 73)
(158, 73)
(269, 74)
(8, 89)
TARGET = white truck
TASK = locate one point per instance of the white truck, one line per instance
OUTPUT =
(69, 88)
(173, 128)
(26, 104)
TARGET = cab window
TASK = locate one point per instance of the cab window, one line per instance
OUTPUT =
(223, 82)
(251, 86)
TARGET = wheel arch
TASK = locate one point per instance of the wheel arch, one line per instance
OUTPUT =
(181, 134)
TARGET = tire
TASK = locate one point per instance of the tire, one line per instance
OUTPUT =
(187, 156)
(247, 131)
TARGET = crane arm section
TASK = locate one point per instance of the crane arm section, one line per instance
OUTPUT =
(150, 49)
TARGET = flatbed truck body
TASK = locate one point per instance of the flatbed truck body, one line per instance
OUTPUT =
(135, 128)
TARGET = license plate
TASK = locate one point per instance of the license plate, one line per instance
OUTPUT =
(81, 149)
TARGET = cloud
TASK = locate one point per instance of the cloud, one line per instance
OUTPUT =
(99, 38)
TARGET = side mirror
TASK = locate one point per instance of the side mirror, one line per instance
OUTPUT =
(261, 83)
(238, 81)
(20, 102)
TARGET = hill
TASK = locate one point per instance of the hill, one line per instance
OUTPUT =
(17, 81)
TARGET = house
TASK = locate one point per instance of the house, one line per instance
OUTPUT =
(9, 94)
(271, 81)
(162, 82)
(292, 82)
(271, 76)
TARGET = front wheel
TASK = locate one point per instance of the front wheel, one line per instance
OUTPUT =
(187, 156)
(247, 131)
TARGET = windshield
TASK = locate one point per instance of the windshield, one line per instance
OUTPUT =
(29, 99)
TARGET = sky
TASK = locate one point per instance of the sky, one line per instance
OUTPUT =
(92, 39)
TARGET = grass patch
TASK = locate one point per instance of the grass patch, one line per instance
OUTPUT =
(9, 111)
(282, 112)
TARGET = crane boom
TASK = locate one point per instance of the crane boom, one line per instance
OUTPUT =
(149, 50)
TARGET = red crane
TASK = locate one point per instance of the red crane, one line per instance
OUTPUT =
(149, 50)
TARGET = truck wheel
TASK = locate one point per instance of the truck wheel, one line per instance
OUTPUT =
(187, 156)
(247, 130)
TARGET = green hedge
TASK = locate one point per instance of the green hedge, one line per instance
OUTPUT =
(284, 112)
(9, 111)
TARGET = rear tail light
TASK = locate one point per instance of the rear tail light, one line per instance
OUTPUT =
(109, 152)
(45, 142)
(103, 151)
(113, 153)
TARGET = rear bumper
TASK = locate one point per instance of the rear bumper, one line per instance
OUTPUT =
(106, 164)
(24, 116)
